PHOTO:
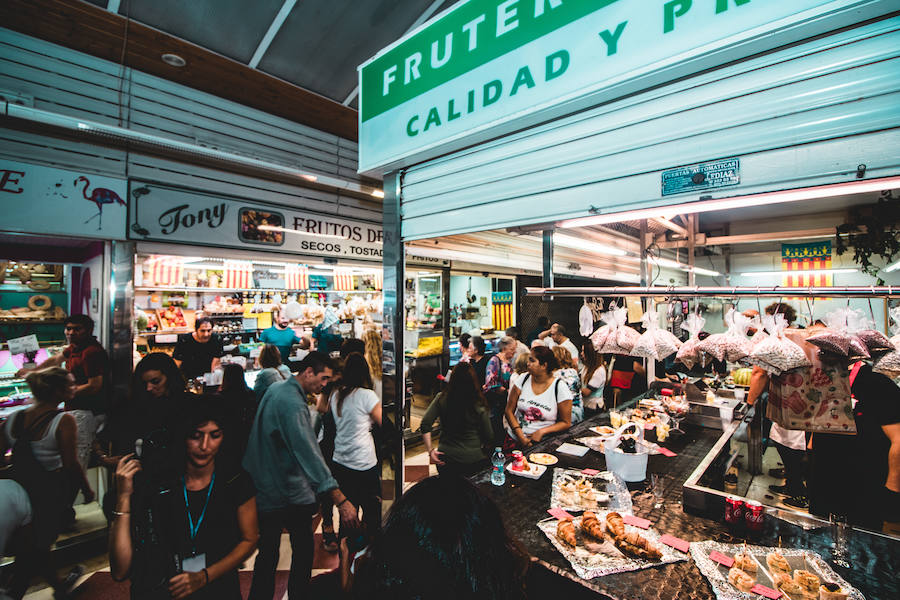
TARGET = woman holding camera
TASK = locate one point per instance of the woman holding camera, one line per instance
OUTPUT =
(202, 530)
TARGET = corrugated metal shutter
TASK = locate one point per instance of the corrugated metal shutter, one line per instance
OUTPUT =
(803, 115)
(63, 81)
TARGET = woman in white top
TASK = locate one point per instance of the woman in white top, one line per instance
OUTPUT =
(46, 468)
(540, 405)
(356, 408)
(520, 370)
(593, 376)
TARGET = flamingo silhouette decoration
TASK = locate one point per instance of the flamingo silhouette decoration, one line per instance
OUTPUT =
(99, 196)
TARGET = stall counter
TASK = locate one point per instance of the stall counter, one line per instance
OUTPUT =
(524, 502)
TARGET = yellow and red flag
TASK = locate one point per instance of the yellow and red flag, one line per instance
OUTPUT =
(798, 258)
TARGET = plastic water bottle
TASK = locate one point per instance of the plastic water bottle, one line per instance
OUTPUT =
(498, 475)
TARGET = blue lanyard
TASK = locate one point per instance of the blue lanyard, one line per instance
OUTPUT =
(193, 529)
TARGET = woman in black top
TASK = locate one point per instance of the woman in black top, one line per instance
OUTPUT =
(240, 402)
(206, 526)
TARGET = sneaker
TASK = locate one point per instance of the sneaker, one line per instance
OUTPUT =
(798, 502)
(65, 588)
(779, 490)
(776, 473)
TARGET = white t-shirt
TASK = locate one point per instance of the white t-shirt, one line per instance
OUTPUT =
(535, 411)
(568, 345)
(354, 446)
(516, 379)
(792, 438)
(597, 382)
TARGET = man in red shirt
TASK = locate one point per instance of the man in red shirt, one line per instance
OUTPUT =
(87, 361)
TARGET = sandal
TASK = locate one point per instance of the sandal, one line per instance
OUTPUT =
(329, 541)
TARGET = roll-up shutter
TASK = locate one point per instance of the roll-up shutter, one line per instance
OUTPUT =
(803, 115)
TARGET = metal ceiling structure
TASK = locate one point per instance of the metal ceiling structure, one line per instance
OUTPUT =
(313, 44)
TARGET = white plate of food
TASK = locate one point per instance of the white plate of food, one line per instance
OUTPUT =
(542, 458)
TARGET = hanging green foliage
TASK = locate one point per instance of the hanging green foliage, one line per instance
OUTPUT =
(871, 231)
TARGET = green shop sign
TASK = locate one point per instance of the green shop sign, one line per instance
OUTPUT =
(487, 67)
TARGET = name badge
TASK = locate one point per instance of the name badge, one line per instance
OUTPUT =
(194, 564)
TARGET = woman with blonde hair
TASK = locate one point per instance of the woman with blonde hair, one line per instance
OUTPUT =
(272, 370)
(568, 373)
(372, 340)
(44, 462)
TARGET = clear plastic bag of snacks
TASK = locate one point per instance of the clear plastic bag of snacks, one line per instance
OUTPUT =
(889, 363)
(655, 342)
(777, 354)
(737, 344)
(615, 337)
(688, 354)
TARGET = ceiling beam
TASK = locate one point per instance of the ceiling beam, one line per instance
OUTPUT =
(94, 30)
(671, 226)
(753, 238)
(422, 18)
(276, 24)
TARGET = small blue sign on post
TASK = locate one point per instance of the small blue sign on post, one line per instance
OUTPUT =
(720, 173)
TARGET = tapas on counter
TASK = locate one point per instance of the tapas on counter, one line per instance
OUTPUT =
(600, 543)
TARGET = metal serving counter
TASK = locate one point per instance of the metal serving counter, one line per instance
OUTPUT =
(524, 502)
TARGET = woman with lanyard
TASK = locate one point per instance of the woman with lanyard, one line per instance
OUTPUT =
(212, 522)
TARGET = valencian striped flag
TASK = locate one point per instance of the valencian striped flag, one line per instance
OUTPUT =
(797, 258)
(502, 306)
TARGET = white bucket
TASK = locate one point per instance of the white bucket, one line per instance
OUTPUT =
(630, 467)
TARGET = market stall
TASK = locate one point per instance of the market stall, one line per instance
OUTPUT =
(704, 152)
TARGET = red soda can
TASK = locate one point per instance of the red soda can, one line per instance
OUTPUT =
(734, 511)
(754, 516)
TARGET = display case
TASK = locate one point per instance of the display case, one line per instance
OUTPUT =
(423, 300)
(240, 296)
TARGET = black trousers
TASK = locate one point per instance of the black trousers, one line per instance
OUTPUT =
(794, 469)
(363, 489)
(462, 469)
(297, 520)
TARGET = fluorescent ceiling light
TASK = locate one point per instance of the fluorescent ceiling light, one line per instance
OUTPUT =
(286, 230)
(528, 263)
(668, 212)
(378, 193)
(666, 262)
(322, 267)
(812, 272)
(567, 241)
(892, 267)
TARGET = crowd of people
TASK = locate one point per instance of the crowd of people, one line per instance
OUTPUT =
(201, 481)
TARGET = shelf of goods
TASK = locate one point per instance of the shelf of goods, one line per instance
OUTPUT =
(250, 290)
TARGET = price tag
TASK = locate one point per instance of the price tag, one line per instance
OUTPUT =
(21, 345)
(636, 521)
(765, 591)
(674, 542)
(666, 452)
(560, 514)
(725, 561)
(590, 472)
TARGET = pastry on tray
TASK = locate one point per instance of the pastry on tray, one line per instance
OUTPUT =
(615, 524)
(832, 591)
(565, 531)
(809, 582)
(740, 580)
(777, 563)
(745, 562)
(592, 526)
(634, 544)
(786, 584)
